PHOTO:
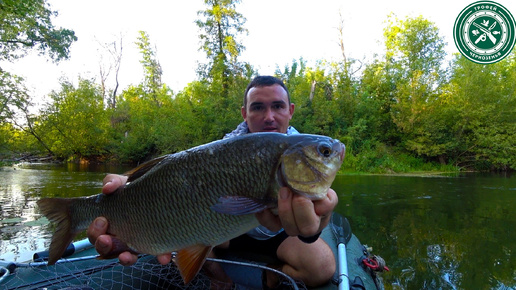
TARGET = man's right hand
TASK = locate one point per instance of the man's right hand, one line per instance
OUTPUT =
(106, 244)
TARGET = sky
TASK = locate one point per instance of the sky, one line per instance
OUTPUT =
(280, 31)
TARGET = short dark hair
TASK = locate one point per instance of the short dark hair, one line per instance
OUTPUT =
(264, 81)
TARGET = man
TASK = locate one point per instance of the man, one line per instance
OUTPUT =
(293, 234)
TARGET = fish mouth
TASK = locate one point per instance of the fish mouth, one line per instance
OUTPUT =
(342, 149)
(282, 182)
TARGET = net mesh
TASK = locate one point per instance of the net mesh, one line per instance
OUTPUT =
(90, 273)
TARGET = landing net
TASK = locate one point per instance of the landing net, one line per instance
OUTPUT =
(90, 273)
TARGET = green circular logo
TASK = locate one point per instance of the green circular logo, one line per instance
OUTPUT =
(484, 32)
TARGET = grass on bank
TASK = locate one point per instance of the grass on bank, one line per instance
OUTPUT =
(371, 158)
(383, 160)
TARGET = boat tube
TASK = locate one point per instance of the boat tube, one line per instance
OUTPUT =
(81, 268)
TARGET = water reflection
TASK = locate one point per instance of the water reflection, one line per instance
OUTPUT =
(23, 231)
(454, 232)
(436, 233)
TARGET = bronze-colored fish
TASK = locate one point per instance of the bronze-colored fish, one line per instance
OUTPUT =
(196, 199)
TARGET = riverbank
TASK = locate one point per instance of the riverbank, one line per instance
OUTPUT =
(409, 174)
(437, 171)
(362, 164)
(395, 164)
(383, 162)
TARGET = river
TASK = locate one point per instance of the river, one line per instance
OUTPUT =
(447, 232)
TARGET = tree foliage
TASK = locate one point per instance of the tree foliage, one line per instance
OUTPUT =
(221, 25)
(414, 59)
(405, 110)
(151, 68)
(75, 122)
(482, 99)
(13, 96)
(27, 25)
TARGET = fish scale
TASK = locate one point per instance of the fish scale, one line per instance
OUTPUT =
(200, 197)
(195, 201)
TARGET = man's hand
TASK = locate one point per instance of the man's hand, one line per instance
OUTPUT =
(105, 244)
(298, 215)
(112, 182)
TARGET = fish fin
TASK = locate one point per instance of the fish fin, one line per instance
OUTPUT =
(58, 210)
(239, 205)
(139, 171)
(189, 260)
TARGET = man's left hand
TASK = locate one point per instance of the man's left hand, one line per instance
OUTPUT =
(298, 215)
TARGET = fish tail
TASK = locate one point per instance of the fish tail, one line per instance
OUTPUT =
(58, 211)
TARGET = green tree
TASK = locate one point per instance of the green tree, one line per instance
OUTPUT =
(13, 96)
(414, 59)
(484, 101)
(16, 143)
(75, 123)
(16, 109)
(145, 113)
(151, 68)
(210, 115)
(217, 96)
(220, 26)
(378, 88)
(27, 25)
(135, 129)
(316, 107)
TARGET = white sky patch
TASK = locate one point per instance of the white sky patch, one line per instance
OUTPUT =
(280, 31)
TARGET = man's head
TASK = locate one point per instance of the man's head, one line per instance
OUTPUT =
(267, 106)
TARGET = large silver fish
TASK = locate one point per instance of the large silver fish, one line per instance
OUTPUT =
(196, 199)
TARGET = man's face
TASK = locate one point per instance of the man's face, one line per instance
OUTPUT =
(268, 109)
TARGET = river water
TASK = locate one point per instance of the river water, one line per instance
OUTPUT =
(435, 232)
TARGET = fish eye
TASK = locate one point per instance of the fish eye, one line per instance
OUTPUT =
(324, 150)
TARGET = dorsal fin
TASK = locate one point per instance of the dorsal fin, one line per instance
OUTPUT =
(190, 260)
(139, 171)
